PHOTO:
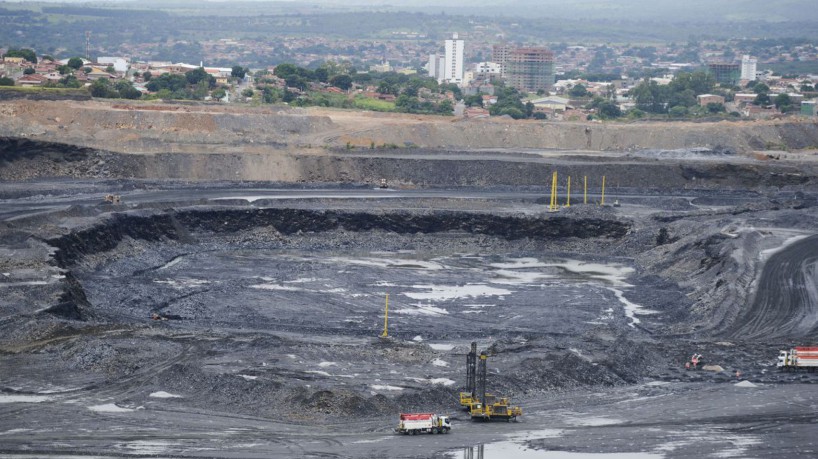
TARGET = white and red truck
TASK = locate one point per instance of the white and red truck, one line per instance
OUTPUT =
(799, 357)
(418, 423)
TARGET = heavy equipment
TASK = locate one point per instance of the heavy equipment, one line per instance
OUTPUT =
(417, 423)
(489, 407)
(112, 199)
(799, 357)
(468, 397)
(480, 404)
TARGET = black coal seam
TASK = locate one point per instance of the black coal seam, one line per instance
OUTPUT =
(107, 235)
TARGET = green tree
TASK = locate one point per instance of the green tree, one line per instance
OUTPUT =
(386, 87)
(25, 53)
(5, 81)
(196, 76)
(341, 82)
(474, 101)
(247, 92)
(697, 82)
(606, 108)
(578, 91)
(445, 107)
(147, 75)
(677, 111)
(75, 63)
(28, 71)
(759, 88)
(762, 99)
(219, 93)
(715, 107)
(783, 102)
(650, 97)
(70, 81)
(126, 90)
(102, 88)
(238, 72)
(322, 74)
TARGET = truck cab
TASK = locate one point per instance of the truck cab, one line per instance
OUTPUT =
(784, 359)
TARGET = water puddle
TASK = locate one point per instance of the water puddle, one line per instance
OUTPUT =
(24, 398)
(452, 292)
(510, 449)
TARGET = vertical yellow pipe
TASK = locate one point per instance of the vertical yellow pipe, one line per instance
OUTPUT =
(568, 199)
(385, 333)
(603, 191)
(585, 193)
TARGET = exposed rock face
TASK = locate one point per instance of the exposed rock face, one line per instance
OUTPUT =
(209, 128)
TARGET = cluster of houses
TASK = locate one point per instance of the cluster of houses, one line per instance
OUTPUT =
(46, 72)
(558, 105)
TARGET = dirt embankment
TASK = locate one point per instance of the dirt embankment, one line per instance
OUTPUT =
(202, 128)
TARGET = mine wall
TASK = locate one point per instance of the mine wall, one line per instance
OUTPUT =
(22, 159)
(140, 128)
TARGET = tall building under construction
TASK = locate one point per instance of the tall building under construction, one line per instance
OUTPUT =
(530, 69)
(725, 74)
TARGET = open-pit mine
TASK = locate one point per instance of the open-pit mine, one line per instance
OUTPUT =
(183, 280)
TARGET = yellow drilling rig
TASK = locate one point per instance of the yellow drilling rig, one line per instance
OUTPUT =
(481, 405)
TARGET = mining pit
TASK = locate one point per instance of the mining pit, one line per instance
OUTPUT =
(203, 316)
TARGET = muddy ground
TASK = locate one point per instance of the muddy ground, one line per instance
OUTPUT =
(239, 319)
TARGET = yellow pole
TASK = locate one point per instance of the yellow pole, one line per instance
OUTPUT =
(385, 333)
(554, 192)
(603, 191)
(585, 194)
(568, 200)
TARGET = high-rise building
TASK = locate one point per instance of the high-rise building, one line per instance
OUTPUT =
(726, 74)
(748, 68)
(530, 69)
(435, 66)
(453, 60)
(499, 55)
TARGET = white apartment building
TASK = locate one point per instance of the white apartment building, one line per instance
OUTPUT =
(453, 60)
(748, 68)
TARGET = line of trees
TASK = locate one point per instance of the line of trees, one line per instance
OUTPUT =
(675, 98)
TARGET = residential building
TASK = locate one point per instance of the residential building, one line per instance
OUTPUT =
(120, 64)
(744, 98)
(453, 65)
(35, 79)
(705, 99)
(726, 74)
(748, 68)
(488, 68)
(531, 69)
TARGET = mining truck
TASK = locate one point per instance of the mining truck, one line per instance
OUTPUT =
(418, 423)
(799, 357)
